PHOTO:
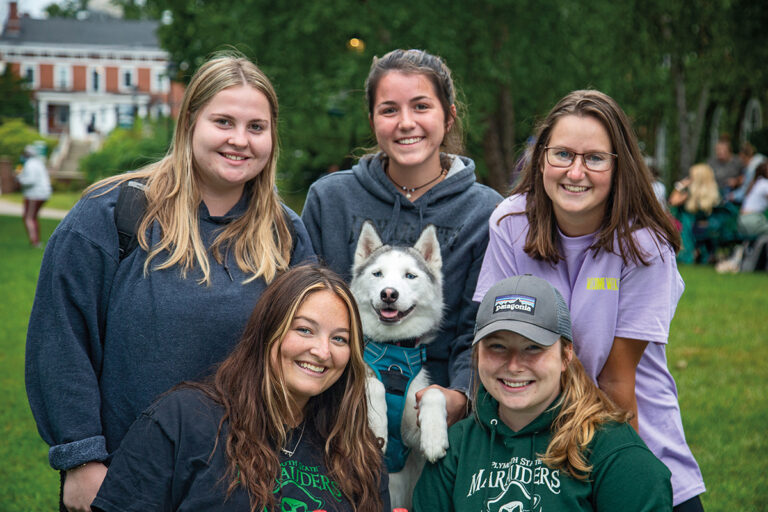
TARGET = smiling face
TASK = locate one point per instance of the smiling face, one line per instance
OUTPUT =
(579, 196)
(523, 376)
(231, 144)
(315, 350)
(410, 124)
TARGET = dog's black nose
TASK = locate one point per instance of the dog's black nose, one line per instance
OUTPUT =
(389, 295)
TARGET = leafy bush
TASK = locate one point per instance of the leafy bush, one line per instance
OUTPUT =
(127, 149)
(15, 134)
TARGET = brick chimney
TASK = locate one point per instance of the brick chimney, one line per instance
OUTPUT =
(13, 24)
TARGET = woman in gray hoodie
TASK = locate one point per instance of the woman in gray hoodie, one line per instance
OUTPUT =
(416, 178)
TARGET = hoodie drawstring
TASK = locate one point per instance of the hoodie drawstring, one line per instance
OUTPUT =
(226, 266)
(494, 422)
(395, 218)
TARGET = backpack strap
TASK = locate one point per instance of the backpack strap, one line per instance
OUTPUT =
(130, 208)
(291, 228)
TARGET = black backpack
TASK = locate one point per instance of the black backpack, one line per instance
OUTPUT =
(130, 208)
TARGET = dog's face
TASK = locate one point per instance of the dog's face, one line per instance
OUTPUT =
(399, 290)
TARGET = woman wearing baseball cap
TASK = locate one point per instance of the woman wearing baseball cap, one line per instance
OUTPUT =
(543, 436)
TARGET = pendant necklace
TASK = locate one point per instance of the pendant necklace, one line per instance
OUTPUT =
(290, 453)
(409, 190)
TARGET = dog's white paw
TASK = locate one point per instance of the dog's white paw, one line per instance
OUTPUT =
(434, 440)
(434, 425)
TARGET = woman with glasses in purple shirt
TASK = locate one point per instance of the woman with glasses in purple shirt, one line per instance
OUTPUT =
(585, 218)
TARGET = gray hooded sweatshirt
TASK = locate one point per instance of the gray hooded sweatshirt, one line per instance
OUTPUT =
(459, 207)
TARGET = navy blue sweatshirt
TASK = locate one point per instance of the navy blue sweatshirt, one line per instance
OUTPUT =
(104, 340)
(459, 207)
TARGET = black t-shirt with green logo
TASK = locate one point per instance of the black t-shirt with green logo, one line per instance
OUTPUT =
(165, 463)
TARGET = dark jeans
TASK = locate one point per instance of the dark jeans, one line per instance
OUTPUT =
(691, 505)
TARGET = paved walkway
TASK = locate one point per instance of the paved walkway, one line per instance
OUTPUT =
(11, 208)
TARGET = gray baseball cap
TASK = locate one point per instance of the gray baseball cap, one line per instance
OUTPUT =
(526, 305)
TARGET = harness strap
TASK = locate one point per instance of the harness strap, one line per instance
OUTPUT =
(395, 367)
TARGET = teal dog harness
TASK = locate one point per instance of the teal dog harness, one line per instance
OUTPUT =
(395, 366)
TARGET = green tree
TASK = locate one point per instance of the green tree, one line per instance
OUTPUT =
(15, 134)
(17, 98)
(128, 149)
(661, 60)
(66, 9)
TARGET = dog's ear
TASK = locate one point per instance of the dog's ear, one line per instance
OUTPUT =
(368, 242)
(429, 247)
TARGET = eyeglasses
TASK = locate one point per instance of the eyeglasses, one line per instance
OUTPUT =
(596, 161)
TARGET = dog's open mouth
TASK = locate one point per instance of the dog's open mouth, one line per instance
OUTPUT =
(392, 315)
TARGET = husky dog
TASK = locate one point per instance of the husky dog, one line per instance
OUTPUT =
(399, 291)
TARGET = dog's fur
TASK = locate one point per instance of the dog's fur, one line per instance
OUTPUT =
(399, 291)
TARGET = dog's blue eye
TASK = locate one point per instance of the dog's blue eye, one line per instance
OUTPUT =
(408, 275)
(377, 273)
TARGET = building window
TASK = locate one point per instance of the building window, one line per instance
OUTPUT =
(127, 79)
(28, 73)
(160, 82)
(96, 79)
(62, 77)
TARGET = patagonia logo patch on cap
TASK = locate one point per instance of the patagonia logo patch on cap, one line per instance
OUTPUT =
(522, 303)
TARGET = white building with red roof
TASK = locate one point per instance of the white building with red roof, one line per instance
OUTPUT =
(88, 74)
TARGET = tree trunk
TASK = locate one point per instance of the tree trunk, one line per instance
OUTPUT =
(678, 77)
(499, 143)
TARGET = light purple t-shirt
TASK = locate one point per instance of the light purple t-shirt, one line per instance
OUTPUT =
(609, 299)
(757, 199)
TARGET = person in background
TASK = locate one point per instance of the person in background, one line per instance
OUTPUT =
(282, 425)
(416, 178)
(543, 436)
(750, 159)
(693, 200)
(726, 165)
(584, 217)
(36, 189)
(108, 332)
(753, 222)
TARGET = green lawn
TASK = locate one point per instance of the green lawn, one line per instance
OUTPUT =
(58, 200)
(718, 352)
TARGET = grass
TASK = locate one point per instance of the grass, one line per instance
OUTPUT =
(57, 201)
(717, 353)
(26, 481)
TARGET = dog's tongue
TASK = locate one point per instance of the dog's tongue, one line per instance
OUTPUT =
(389, 313)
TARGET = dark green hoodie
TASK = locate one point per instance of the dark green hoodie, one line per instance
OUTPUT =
(491, 468)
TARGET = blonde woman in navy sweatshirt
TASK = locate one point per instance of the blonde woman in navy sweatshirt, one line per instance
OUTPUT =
(543, 436)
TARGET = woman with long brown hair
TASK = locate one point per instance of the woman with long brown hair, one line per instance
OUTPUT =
(543, 436)
(585, 218)
(282, 423)
(113, 328)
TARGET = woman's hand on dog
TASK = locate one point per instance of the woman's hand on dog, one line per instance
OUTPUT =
(455, 403)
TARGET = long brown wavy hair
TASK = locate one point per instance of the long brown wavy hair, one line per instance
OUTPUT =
(583, 409)
(260, 239)
(252, 391)
(631, 204)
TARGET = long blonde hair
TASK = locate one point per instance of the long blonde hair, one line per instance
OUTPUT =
(583, 409)
(703, 194)
(260, 239)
